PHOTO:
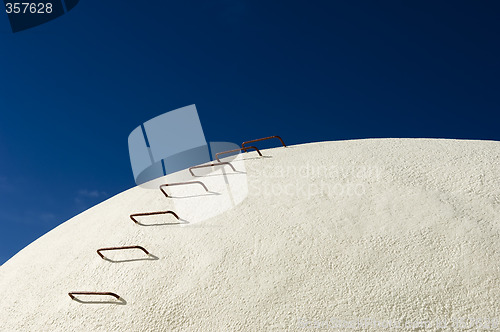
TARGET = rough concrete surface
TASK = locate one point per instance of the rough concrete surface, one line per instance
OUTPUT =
(377, 234)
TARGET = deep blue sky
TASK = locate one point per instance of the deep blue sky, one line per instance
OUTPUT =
(73, 89)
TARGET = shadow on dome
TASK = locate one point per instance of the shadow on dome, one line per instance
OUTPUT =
(119, 301)
(149, 258)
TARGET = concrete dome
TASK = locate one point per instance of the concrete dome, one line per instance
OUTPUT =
(323, 235)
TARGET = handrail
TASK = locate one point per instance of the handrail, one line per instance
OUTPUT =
(181, 183)
(210, 165)
(72, 294)
(261, 139)
(119, 248)
(132, 216)
(240, 149)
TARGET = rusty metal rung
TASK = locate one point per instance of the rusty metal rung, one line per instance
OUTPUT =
(119, 248)
(210, 165)
(132, 216)
(240, 149)
(181, 183)
(261, 139)
(72, 294)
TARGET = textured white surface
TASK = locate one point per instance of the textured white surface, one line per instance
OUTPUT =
(402, 230)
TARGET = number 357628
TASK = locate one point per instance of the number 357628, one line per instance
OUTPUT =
(28, 8)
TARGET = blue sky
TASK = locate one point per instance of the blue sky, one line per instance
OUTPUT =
(73, 89)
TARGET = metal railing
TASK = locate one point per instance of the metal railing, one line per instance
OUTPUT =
(120, 248)
(72, 294)
(132, 216)
(181, 183)
(241, 149)
(262, 139)
(211, 165)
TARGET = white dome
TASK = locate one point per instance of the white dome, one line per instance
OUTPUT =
(379, 231)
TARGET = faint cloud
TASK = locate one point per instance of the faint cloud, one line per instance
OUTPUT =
(18, 209)
(86, 198)
(4, 185)
(12, 185)
(91, 193)
(47, 217)
(29, 217)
